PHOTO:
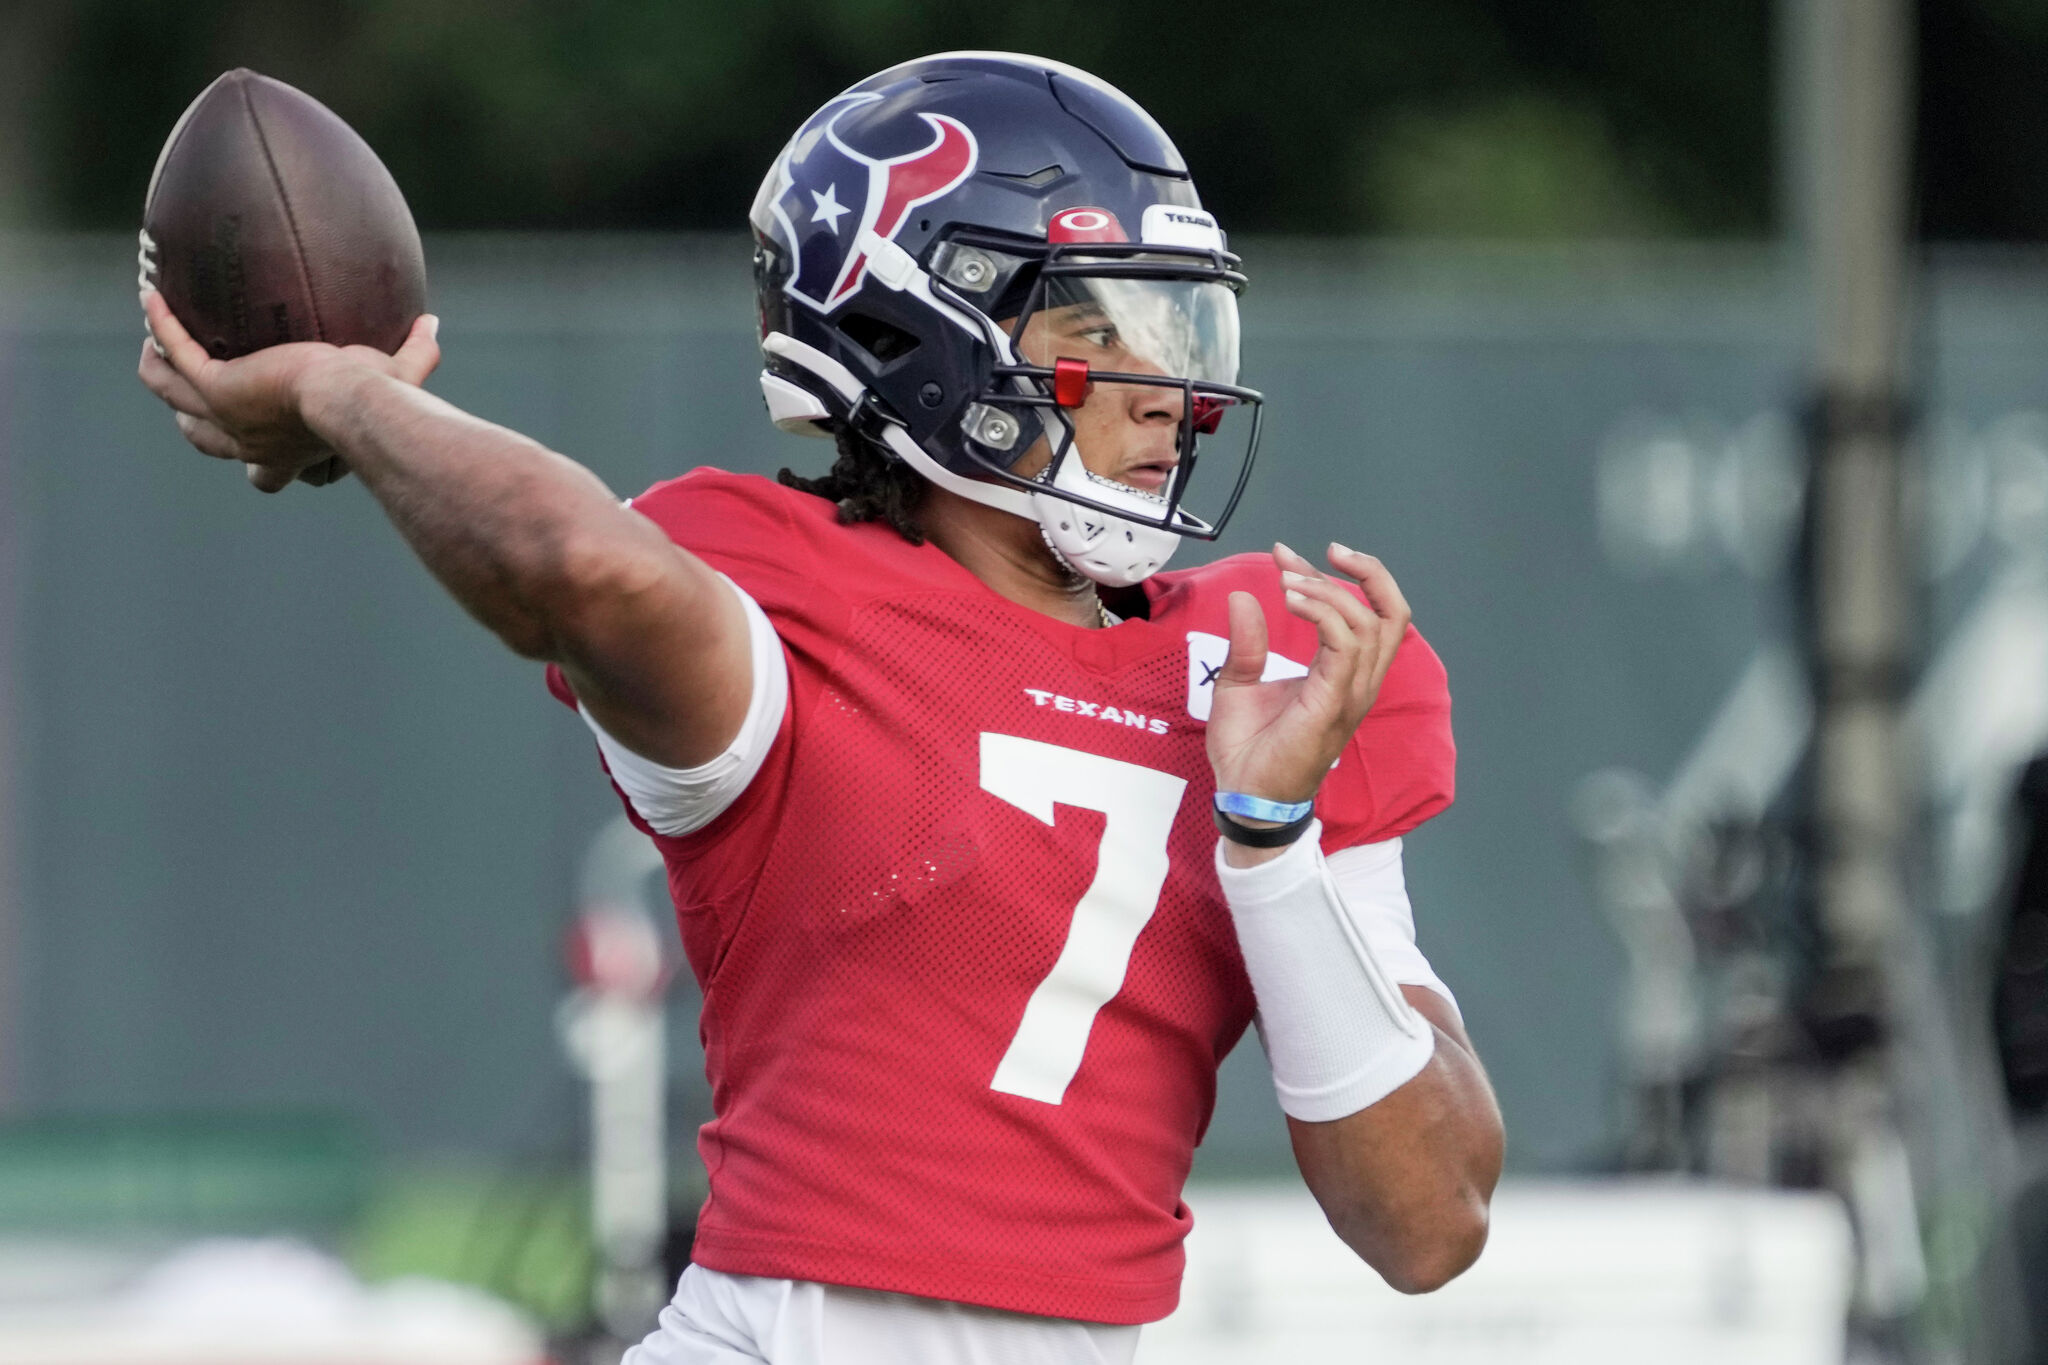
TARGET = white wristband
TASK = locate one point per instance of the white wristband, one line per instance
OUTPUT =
(1338, 1032)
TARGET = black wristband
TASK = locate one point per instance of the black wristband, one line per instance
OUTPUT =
(1279, 836)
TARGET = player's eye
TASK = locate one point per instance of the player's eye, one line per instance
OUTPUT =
(1103, 336)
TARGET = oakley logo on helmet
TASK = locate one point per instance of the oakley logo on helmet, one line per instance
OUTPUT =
(820, 180)
(1085, 225)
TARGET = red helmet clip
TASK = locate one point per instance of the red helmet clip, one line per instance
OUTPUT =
(1070, 382)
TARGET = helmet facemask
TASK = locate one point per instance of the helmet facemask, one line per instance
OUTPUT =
(1115, 377)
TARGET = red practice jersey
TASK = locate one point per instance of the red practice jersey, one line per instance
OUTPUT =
(967, 972)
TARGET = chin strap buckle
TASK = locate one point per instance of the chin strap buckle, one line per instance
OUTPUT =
(1070, 382)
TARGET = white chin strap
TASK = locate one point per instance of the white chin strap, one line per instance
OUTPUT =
(1109, 549)
(1095, 544)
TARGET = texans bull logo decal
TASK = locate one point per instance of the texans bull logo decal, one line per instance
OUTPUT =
(821, 181)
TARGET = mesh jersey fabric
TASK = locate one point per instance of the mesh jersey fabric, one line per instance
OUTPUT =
(881, 923)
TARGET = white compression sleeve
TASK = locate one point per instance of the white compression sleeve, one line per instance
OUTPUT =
(677, 801)
(1375, 890)
(1338, 1032)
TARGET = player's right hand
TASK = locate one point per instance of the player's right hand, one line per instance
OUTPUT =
(251, 409)
(1278, 738)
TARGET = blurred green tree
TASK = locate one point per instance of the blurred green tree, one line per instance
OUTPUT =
(1496, 117)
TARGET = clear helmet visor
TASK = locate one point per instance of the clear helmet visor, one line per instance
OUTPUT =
(1176, 329)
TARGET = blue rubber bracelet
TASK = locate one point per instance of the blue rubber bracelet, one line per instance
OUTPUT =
(1259, 808)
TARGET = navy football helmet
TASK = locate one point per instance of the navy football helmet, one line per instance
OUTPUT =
(963, 257)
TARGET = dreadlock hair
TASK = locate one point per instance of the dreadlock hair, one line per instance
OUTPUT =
(868, 484)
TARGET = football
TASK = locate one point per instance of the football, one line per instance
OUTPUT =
(269, 220)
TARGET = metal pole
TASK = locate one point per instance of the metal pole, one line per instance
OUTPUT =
(1857, 99)
(1860, 574)
(13, 1020)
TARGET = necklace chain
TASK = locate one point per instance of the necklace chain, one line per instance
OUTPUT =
(1102, 613)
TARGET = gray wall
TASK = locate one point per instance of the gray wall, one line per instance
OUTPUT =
(289, 830)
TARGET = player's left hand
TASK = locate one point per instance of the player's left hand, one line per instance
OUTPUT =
(1277, 739)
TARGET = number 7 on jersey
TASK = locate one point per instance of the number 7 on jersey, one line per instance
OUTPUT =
(1138, 805)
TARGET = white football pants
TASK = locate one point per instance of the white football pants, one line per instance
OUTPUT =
(720, 1319)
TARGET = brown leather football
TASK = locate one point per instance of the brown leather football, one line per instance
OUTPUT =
(269, 220)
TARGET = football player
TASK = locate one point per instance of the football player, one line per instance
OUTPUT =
(988, 836)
